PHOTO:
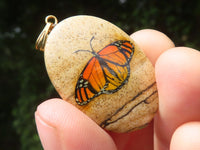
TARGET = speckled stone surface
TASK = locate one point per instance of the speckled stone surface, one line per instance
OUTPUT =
(130, 108)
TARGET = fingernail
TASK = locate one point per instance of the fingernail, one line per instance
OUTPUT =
(48, 135)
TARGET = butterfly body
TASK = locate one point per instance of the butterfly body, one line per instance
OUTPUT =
(106, 72)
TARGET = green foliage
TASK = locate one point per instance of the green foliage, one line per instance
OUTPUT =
(24, 81)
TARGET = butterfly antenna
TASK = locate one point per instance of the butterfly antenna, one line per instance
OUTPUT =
(93, 52)
(91, 43)
(81, 50)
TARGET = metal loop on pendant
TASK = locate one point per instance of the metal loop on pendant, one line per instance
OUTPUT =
(51, 21)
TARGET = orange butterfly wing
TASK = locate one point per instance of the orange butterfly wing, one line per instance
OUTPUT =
(106, 72)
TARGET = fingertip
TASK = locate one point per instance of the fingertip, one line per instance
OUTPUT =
(178, 76)
(152, 42)
(62, 126)
(187, 136)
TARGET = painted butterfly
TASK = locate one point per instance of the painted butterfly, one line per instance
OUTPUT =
(106, 72)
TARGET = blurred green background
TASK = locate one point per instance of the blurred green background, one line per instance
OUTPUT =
(24, 83)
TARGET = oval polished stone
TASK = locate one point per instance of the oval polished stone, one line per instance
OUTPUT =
(98, 68)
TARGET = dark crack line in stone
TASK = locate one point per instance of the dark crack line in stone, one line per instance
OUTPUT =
(106, 123)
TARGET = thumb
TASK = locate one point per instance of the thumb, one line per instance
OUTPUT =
(62, 126)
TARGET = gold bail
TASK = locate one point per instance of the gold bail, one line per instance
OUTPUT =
(51, 21)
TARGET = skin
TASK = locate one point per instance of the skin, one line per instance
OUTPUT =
(176, 125)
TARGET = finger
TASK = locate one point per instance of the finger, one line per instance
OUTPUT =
(62, 126)
(187, 136)
(152, 42)
(178, 82)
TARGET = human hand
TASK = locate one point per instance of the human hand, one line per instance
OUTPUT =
(176, 126)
